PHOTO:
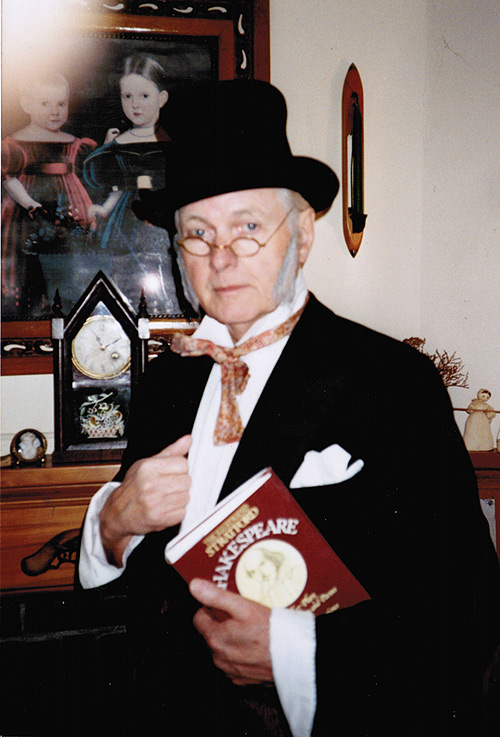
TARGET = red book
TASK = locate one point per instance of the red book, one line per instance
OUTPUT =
(259, 542)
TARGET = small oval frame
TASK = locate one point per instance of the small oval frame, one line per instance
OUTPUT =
(28, 446)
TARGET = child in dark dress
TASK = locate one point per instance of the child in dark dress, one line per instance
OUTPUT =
(136, 253)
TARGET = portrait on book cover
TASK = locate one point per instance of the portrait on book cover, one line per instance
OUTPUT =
(271, 572)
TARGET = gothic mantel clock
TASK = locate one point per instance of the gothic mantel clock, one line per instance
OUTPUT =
(100, 351)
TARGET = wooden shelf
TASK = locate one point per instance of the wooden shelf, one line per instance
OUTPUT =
(484, 460)
(487, 467)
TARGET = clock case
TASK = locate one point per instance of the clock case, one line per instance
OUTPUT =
(68, 448)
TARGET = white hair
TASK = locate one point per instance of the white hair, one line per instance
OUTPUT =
(187, 288)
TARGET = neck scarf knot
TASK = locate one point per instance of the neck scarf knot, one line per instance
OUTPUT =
(234, 372)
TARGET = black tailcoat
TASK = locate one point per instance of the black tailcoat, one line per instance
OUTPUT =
(409, 527)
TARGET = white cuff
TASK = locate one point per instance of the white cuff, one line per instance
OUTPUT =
(293, 657)
(94, 568)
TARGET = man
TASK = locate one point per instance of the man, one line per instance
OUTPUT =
(397, 501)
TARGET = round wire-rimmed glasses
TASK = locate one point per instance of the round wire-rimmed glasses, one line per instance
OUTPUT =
(242, 246)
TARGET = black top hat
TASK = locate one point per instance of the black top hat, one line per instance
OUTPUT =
(230, 136)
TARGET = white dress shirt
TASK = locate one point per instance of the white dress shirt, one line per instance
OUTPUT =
(293, 664)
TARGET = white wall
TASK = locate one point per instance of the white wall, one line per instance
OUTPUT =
(461, 232)
(27, 401)
(429, 262)
(312, 46)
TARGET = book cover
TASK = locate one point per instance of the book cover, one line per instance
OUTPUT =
(259, 542)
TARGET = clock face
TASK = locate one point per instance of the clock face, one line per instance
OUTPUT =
(101, 348)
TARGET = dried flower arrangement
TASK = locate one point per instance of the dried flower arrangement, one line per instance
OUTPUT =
(451, 368)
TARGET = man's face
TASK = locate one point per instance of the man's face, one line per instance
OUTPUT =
(234, 290)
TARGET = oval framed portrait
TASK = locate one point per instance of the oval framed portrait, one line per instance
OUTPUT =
(272, 573)
(29, 446)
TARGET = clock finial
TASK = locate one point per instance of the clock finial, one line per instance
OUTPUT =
(143, 318)
(57, 305)
(143, 306)
(57, 319)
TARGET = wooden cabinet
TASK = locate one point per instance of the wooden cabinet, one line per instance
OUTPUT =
(487, 467)
(45, 506)
(42, 505)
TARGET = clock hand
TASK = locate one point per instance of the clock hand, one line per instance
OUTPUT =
(112, 342)
(101, 346)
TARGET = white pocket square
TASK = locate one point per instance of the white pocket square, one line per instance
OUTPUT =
(329, 466)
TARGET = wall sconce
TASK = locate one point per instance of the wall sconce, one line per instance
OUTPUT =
(352, 161)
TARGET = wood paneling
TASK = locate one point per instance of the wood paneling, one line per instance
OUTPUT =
(37, 504)
(487, 467)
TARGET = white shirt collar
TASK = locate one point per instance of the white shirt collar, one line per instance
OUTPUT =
(217, 332)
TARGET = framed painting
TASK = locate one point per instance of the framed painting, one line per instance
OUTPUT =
(66, 206)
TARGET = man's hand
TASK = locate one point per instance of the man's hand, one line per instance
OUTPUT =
(152, 496)
(237, 632)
